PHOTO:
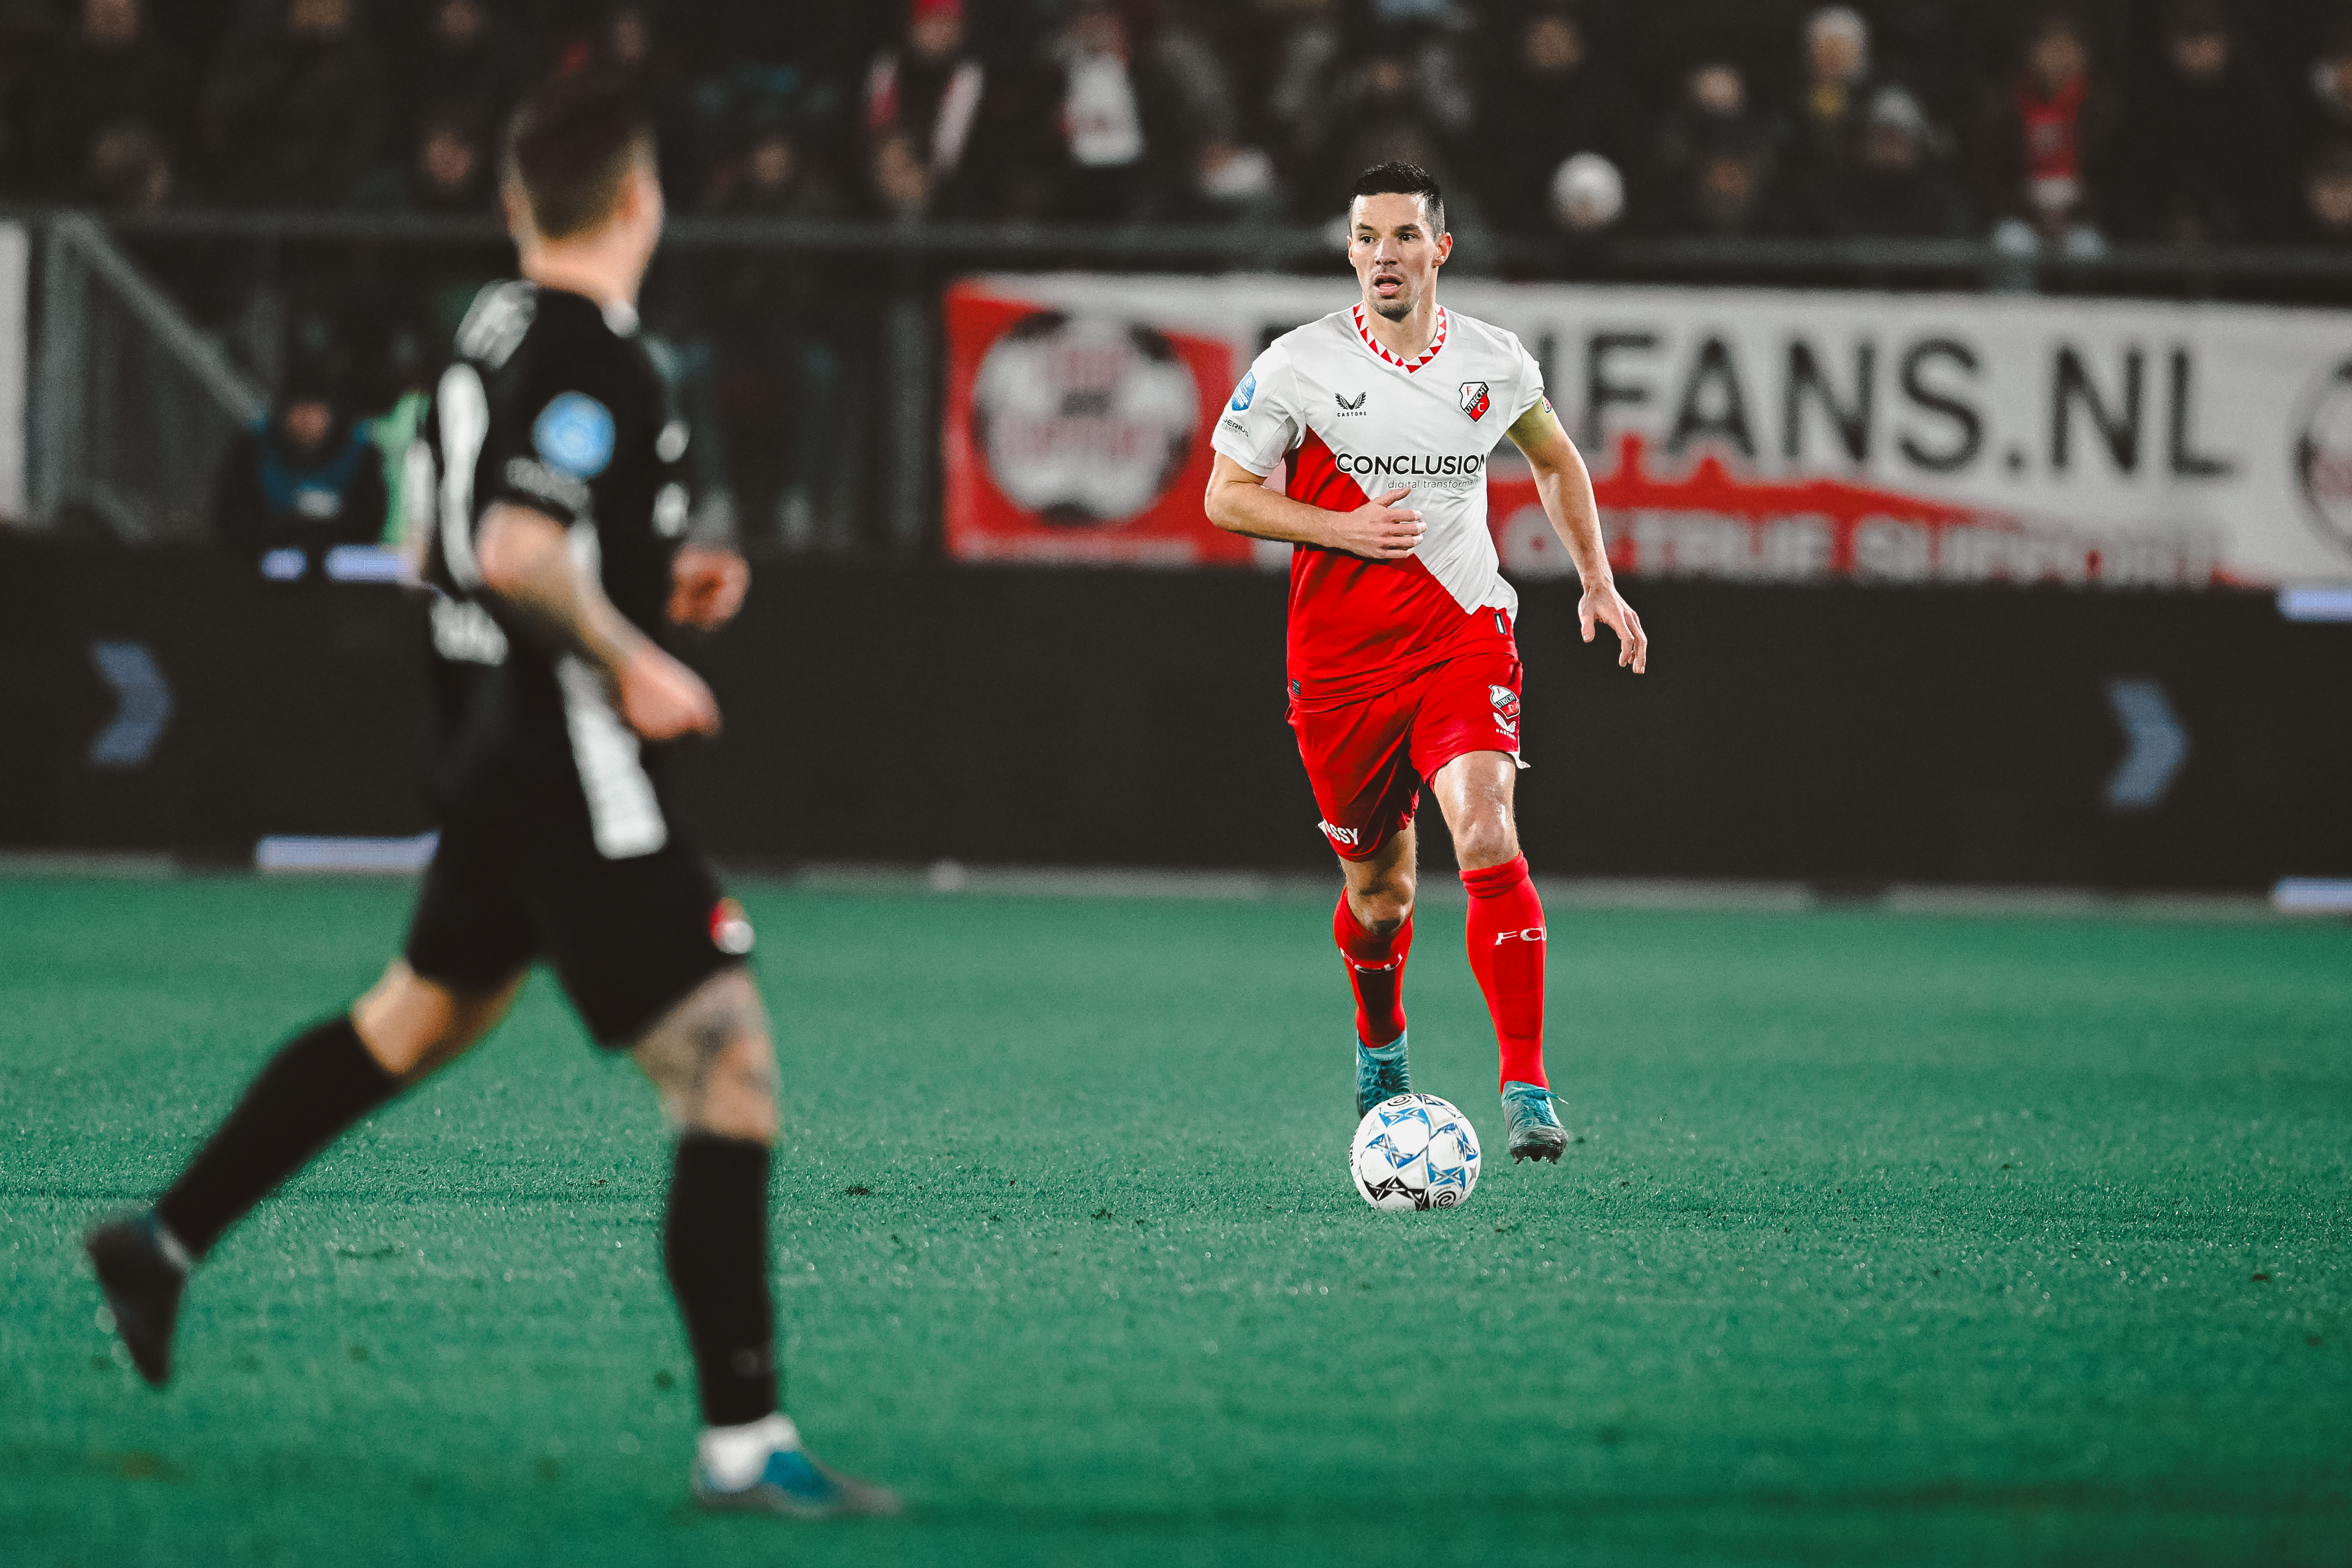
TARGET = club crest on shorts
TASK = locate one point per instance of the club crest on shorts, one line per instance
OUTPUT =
(731, 928)
(1507, 708)
(1475, 401)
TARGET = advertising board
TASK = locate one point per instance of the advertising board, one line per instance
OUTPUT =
(1744, 435)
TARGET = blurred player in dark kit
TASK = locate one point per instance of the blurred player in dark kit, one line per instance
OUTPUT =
(559, 563)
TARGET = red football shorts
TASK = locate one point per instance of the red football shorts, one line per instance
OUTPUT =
(1366, 760)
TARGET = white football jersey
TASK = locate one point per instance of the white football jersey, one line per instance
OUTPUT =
(1355, 422)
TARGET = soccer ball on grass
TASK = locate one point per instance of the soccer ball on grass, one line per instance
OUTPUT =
(1414, 1152)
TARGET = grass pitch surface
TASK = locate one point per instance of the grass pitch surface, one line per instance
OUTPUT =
(1884, 1240)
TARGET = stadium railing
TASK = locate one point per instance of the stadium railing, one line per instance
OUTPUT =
(143, 339)
(133, 403)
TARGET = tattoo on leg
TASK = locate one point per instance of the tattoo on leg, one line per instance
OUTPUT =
(686, 1052)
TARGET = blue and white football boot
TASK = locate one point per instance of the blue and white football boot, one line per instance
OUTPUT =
(1535, 1131)
(763, 1468)
(1381, 1074)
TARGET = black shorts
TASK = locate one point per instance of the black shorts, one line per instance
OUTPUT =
(629, 939)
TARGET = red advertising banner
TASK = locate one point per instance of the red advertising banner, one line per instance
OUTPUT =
(1079, 437)
(1751, 436)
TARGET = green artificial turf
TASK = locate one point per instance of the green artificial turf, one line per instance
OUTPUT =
(1882, 1240)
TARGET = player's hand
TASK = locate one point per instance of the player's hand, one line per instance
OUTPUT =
(707, 586)
(661, 699)
(1379, 531)
(1604, 606)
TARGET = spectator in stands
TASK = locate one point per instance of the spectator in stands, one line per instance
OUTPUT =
(1717, 158)
(1836, 89)
(1382, 112)
(450, 165)
(1215, 173)
(2047, 145)
(779, 364)
(1587, 203)
(2325, 104)
(623, 42)
(1305, 53)
(922, 105)
(2207, 142)
(1898, 185)
(298, 106)
(462, 54)
(1546, 103)
(2326, 215)
(130, 168)
(1116, 119)
(305, 478)
(112, 82)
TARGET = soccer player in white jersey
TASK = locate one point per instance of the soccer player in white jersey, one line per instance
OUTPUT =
(1403, 665)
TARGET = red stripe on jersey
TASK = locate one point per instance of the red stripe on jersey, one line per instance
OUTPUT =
(1359, 626)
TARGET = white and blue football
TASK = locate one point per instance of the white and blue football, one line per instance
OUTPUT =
(1414, 1152)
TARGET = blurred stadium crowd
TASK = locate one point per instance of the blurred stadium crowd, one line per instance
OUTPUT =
(1557, 126)
(2176, 121)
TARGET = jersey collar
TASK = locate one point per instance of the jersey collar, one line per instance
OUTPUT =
(1408, 366)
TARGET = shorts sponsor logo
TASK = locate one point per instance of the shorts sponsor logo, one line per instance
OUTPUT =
(1347, 836)
(1533, 934)
(1244, 393)
(1506, 709)
(731, 928)
(1475, 399)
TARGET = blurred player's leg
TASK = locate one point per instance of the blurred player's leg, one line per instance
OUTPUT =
(711, 1061)
(1506, 936)
(1373, 928)
(320, 1083)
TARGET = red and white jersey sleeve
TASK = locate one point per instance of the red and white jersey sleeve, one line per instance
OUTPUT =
(1355, 422)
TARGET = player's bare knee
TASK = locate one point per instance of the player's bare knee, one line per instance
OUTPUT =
(1485, 840)
(740, 1101)
(1385, 907)
(406, 1022)
(711, 1062)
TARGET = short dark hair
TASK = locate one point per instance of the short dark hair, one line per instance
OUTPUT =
(1405, 180)
(570, 150)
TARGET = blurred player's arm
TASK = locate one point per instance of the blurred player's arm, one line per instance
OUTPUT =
(709, 576)
(526, 560)
(1239, 502)
(1566, 489)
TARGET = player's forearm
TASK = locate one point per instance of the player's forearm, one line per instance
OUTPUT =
(1568, 502)
(1257, 512)
(526, 561)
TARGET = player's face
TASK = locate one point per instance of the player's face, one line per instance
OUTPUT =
(1394, 251)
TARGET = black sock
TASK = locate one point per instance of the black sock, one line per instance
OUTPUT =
(715, 1242)
(317, 1085)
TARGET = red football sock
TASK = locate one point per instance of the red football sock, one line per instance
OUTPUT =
(1375, 969)
(1505, 933)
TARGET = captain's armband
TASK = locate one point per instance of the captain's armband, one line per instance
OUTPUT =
(1535, 426)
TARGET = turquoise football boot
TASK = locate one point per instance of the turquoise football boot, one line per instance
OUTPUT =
(1381, 1074)
(1535, 1133)
(794, 1485)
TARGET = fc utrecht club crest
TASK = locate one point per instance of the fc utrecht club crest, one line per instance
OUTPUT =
(1475, 399)
(1507, 708)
